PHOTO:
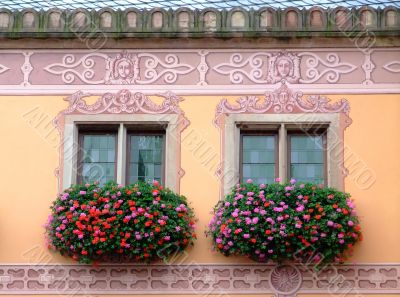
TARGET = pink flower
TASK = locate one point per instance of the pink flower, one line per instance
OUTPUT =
(249, 181)
(82, 192)
(300, 208)
(246, 235)
(278, 179)
(255, 220)
(350, 223)
(330, 223)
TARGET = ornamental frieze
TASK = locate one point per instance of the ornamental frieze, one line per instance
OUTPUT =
(200, 69)
(199, 279)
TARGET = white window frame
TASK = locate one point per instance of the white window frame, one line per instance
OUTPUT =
(71, 147)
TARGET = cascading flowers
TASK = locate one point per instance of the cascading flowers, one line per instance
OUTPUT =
(278, 222)
(141, 222)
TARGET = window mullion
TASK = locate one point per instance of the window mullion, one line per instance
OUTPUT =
(283, 153)
(121, 154)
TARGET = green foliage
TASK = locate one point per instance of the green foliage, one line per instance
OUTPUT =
(141, 222)
(296, 222)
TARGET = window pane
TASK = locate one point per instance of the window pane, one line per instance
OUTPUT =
(307, 158)
(258, 158)
(146, 157)
(98, 158)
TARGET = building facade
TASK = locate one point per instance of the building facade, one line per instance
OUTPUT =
(200, 91)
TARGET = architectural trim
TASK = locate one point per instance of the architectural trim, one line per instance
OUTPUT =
(205, 71)
(199, 279)
(121, 107)
(282, 106)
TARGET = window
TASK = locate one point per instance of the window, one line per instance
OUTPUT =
(307, 157)
(98, 156)
(305, 154)
(145, 157)
(259, 158)
(141, 147)
(306, 146)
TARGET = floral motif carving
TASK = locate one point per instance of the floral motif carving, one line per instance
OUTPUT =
(123, 69)
(285, 279)
(283, 100)
(124, 102)
(236, 68)
(283, 66)
(194, 279)
(69, 68)
(332, 67)
(169, 69)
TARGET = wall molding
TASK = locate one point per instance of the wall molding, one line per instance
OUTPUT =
(285, 280)
(199, 71)
(123, 106)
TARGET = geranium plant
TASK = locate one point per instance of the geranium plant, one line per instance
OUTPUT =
(279, 222)
(141, 222)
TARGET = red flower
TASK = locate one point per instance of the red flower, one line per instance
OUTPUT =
(84, 252)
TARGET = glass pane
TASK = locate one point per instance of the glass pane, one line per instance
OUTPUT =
(307, 158)
(98, 162)
(146, 158)
(258, 156)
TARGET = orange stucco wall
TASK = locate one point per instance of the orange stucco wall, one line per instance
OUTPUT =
(30, 155)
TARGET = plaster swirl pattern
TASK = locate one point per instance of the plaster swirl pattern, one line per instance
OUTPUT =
(198, 70)
(199, 279)
(123, 102)
(283, 100)
(332, 67)
(393, 66)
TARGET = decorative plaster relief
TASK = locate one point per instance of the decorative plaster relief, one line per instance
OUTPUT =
(199, 279)
(282, 105)
(283, 100)
(122, 69)
(332, 67)
(123, 102)
(199, 69)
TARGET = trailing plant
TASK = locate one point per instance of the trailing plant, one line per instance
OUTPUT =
(296, 222)
(141, 222)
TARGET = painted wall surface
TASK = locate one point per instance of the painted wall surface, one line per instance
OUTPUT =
(29, 155)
